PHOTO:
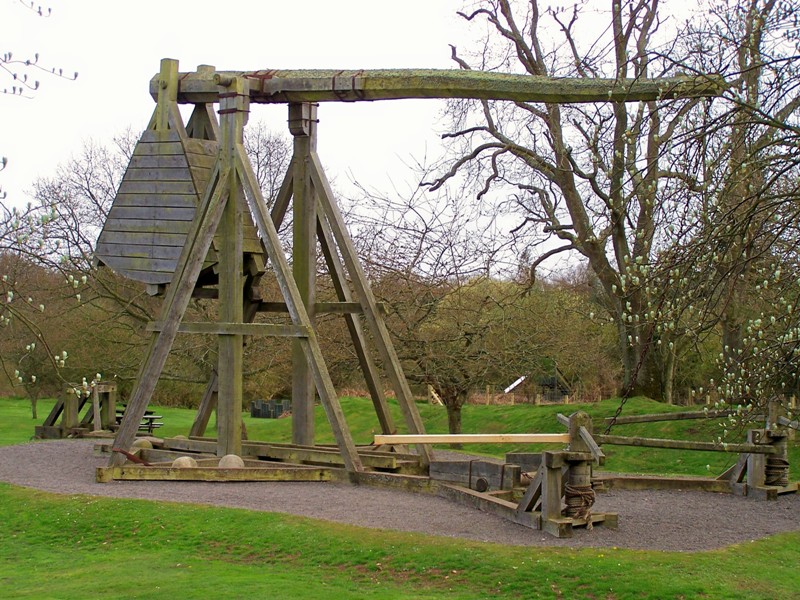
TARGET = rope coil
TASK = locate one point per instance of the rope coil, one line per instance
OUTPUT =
(579, 500)
(777, 471)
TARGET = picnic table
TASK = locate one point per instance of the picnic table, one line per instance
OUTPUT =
(150, 420)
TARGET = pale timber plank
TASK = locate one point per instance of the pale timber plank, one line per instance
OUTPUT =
(159, 149)
(160, 137)
(171, 161)
(138, 250)
(136, 263)
(474, 438)
(149, 277)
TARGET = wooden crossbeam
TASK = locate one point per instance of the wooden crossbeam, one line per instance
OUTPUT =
(474, 438)
(217, 328)
(331, 85)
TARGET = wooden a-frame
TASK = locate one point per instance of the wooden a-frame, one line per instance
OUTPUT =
(232, 190)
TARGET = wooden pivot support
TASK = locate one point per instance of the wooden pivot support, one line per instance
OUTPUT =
(541, 504)
(749, 476)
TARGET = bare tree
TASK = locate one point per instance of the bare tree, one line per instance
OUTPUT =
(20, 72)
(443, 267)
(57, 233)
(587, 179)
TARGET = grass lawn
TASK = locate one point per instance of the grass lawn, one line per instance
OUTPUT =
(79, 546)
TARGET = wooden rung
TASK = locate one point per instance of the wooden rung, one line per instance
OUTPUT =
(475, 438)
(217, 328)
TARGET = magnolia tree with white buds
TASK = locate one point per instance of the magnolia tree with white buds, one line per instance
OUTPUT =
(683, 210)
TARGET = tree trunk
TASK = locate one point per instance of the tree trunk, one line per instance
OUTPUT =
(668, 377)
(34, 413)
(633, 362)
(454, 420)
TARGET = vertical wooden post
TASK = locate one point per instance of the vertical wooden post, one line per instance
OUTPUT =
(303, 126)
(70, 416)
(167, 93)
(234, 104)
(552, 482)
(576, 421)
(775, 409)
(108, 405)
(756, 463)
(96, 418)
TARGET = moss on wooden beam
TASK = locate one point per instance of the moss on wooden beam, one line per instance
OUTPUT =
(279, 86)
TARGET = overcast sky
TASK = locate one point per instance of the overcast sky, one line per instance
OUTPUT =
(116, 48)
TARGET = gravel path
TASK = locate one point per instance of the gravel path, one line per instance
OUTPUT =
(657, 520)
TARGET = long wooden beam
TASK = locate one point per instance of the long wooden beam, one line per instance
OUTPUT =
(675, 416)
(474, 438)
(331, 85)
(619, 440)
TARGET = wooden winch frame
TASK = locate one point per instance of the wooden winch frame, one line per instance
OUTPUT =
(190, 220)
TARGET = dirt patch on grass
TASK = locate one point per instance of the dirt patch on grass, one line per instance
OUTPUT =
(659, 520)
